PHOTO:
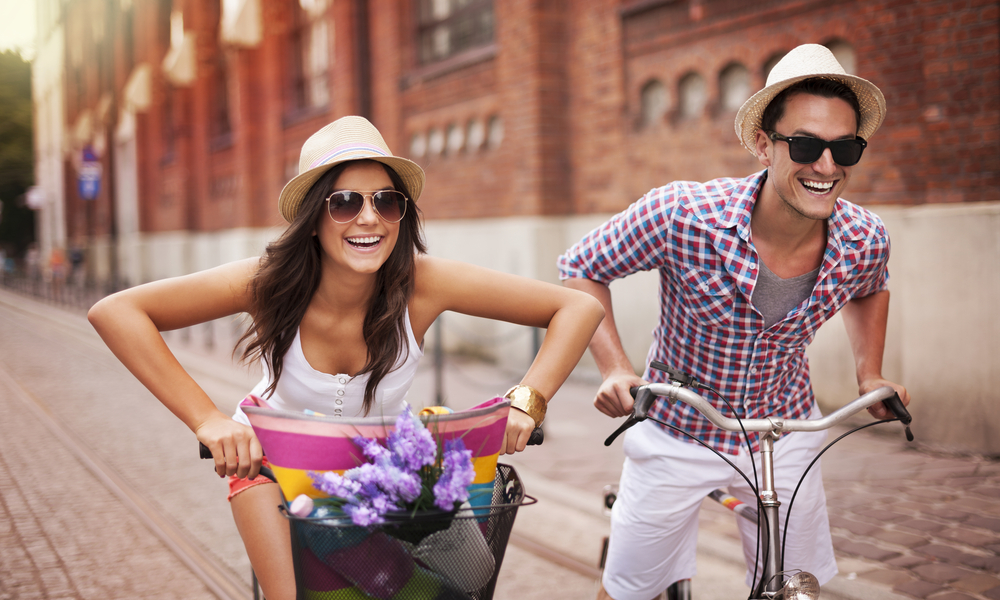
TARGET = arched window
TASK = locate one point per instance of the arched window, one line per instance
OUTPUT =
(475, 136)
(844, 53)
(770, 62)
(494, 132)
(734, 86)
(435, 142)
(653, 102)
(692, 93)
(418, 145)
(455, 139)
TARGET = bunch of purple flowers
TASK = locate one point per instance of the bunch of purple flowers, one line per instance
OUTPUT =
(411, 472)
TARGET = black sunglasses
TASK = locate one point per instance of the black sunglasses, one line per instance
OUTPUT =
(807, 150)
(345, 206)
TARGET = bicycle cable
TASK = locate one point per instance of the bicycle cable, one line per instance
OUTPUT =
(760, 505)
(788, 513)
(753, 486)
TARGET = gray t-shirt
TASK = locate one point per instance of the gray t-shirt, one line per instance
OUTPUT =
(775, 297)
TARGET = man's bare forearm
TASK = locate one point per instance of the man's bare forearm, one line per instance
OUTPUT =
(606, 345)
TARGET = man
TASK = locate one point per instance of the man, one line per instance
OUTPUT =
(749, 270)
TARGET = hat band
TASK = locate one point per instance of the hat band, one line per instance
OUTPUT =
(340, 151)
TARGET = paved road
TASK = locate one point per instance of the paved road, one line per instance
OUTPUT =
(91, 466)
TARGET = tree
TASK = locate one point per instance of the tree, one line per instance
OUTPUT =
(17, 172)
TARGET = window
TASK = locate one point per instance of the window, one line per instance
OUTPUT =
(653, 101)
(455, 139)
(435, 142)
(771, 62)
(449, 27)
(494, 132)
(693, 93)
(844, 53)
(734, 86)
(475, 136)
(309, 56)
(418, 145)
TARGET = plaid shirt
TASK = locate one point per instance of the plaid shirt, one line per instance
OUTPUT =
(698, 236)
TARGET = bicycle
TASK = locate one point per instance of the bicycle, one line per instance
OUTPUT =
(772, 584)
(439, 555)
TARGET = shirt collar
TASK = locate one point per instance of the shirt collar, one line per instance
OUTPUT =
(739, 206)
(844, 224)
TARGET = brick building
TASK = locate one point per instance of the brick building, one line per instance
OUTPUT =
(533, 119)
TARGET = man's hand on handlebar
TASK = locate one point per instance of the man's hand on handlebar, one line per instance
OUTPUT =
(880, 411)
(613, 397)
(234, 447)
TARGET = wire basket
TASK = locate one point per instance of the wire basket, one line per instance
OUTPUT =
(434, 555)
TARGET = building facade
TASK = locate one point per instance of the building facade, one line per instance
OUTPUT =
(534, 121)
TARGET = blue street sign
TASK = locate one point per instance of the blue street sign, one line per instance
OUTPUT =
(89, 174)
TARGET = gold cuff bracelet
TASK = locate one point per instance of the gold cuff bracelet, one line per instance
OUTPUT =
(529, 400)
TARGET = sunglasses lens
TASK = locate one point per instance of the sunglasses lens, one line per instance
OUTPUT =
(390, 204)
(805, 150)
(847, 153)
(345, 206)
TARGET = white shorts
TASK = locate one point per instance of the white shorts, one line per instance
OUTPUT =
(654, 521)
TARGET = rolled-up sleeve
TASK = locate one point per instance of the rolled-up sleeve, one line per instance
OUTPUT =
(873, 267)
(627, 243)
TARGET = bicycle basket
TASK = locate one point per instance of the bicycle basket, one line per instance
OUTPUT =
(435, 555)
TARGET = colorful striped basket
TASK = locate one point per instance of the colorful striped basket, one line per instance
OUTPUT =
(459, 555)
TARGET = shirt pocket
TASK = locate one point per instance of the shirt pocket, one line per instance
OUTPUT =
(709, 296)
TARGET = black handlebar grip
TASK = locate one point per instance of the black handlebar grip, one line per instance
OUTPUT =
(537, 437)
(267, 472)
(896, 406)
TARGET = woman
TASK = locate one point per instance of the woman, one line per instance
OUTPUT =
(339, 306)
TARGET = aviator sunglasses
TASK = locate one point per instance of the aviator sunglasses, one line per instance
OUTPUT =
(345, 206)
(807, 150)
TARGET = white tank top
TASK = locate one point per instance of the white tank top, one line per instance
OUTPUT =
(302, 387)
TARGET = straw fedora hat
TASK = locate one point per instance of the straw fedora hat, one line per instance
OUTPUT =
(806, 62)
(347, 138)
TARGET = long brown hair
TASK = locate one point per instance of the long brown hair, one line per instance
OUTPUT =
(289, 274)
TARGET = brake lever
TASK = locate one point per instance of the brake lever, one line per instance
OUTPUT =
(640, 411)
(644, 398)
(896, 406)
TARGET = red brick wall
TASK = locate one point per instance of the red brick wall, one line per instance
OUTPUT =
(565, 78)
(936, 62)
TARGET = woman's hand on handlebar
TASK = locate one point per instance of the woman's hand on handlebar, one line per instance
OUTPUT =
(234, 447)
(519, 428)
(879, 411)
(613, 397)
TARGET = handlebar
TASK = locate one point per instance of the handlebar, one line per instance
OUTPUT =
(675, 391)
(691, 398)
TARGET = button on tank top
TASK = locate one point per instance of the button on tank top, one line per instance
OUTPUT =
(302, 387)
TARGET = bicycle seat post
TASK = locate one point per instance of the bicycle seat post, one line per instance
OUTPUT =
(769, 527)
